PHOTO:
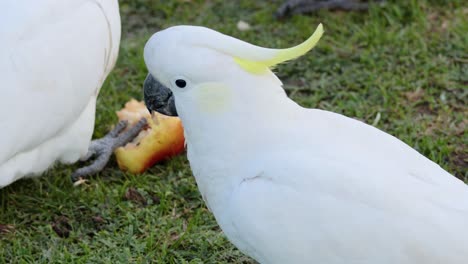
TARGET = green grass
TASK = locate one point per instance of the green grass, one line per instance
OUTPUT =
(406, 62)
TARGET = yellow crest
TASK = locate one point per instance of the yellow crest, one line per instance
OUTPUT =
(281, 55)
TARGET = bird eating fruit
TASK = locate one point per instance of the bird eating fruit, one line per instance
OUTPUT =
(289, 184)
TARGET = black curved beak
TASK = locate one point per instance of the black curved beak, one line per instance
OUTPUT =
(158, 97)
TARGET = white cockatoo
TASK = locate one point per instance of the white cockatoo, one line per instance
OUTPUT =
(289, 184)
(54, 58)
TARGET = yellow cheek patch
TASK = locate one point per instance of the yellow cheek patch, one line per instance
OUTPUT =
(213, 97)
(281, 55)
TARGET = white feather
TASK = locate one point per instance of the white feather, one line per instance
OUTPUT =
(55, 55)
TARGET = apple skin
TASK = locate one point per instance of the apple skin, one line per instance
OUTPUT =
(162, 139)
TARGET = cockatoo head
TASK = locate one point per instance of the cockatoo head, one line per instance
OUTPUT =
(198, 71)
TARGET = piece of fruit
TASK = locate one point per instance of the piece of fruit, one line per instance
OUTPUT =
(161, 139)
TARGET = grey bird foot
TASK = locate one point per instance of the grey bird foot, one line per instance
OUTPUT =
(291, 7)
(103, 148)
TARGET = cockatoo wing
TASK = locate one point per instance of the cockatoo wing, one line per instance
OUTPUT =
(325, 205)
(325, 211)
(54, 58)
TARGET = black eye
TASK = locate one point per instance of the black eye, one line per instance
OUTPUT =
(180, 83)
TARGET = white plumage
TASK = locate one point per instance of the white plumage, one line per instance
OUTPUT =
(294, 185)
(54, 57)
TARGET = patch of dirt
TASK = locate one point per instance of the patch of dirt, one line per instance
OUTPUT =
(460, 159)
(425, 109)
(460, 129)
(414, 96)
(135, 196)
(61, 226)
(438, 22)
(98, 220)
(447, 126)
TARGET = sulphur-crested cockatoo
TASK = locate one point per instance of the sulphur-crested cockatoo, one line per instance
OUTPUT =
(289, 184)
(54, 57)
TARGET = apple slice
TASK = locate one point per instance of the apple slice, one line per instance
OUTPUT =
(161, 139)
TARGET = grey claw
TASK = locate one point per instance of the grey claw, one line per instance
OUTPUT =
(104, 147)
(126, 137)
(97, 145)
(98, 165)
(118, 128)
